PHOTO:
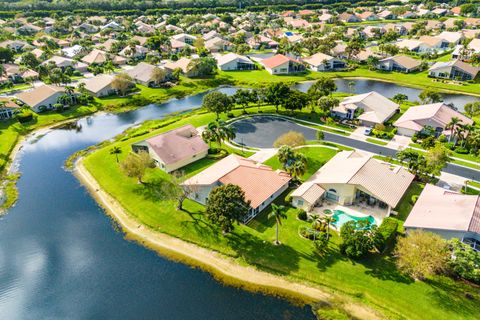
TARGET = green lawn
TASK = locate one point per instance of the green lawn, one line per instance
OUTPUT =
(375, 141)
(373, 280)
(405, 205)
(316, 158)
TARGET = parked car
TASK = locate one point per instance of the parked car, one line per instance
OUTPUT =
(367, 131)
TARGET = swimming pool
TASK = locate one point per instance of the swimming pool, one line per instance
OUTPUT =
(341, 218)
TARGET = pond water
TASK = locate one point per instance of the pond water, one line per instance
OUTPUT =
(389, 89)
(61, 257)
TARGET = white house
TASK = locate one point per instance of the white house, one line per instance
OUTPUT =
(372, 106)
(280, 64)
(233, 62)
(100, 85)
(435, 115)
(400, 63)
(324, 62)
(455, 70)
(261, 184)
(448, 214)
(174, 149)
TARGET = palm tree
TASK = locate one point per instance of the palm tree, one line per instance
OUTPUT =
(278, 212)
(298, 167)
(115, 151)
(224, 131)
(452, 125)
(285, 155)
(328, 220)
(210, 133)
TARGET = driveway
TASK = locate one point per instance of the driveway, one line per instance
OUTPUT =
(262, 131)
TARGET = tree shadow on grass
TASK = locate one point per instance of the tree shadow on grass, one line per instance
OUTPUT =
(281, 259)
(153, 190)
(452, 296)
(384, 268)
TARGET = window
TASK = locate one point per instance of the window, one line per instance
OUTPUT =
(300, 202)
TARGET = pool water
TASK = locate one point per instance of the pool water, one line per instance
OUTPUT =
(341, 218)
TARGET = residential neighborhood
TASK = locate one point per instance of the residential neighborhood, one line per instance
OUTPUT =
(321, 159)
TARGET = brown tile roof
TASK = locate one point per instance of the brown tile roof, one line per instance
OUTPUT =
(178, 144)
(277, 60)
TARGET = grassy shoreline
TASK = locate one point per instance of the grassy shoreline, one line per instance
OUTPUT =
(373, 281)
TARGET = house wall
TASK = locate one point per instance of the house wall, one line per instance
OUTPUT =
(49, 102)
(405, 132)
(108, 90)
(300, 203)
(446, 234)
(254, 212)
(176, 165)
(282, 69)
(345, 192)
(232, 65)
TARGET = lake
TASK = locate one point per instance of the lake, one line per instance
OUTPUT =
(61, 257)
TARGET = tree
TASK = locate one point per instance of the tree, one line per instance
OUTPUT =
(472, 109)
(158, 75)
(217, 102)
(298, 167)
(135, 165)
(452, 126)
(218, 132)
(400, 97)
(359, 238)
(296, 100)
(276, 93)
(322, 87)
(291, 139)
(116, 151)
(372, 62)
(203, 66)
(29, 60)
(243, 98)
(328, 221)
(464, 260)
(6, 55)
(421, 254)
(285, 154)
(326, 104)
(354, 46)
(226, 205)
(430, 96)
(179, 190)
(278, 213)
(436, 158)
(122, 82)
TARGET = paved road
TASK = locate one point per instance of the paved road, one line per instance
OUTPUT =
(262, 131)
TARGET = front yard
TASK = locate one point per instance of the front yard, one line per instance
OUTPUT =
(373, 280)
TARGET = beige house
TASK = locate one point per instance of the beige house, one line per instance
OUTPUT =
(100, 85)
(435, 115)
(41, 98)
(400, 63)
(142, 73)
(448, 214)
(324, 62)
(354, 178)
(374, 107)
(174, 149)
(261, 184)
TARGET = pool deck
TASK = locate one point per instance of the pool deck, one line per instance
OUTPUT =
(355, 210)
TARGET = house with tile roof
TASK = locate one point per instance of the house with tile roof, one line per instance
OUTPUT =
(435, 115)
(100, 85)
(233, 62)
(280, 64)
(261, 184)
(399, 63)
(351, 177)
(8, 108)
(370, 108)
(324, 62)
(41, 98)
(455, 70)
(174, 149)
(447, 213)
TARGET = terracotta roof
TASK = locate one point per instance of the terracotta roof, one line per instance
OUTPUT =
(258, 181)
(276, 60)
(178, 144)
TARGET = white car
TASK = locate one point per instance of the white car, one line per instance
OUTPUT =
(367, 131)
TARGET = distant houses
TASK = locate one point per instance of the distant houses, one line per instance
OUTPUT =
(174, 149)
(436, 116)
(324, 62)
(350, 178)
(261, 184)
(369, 108)
(234, 62)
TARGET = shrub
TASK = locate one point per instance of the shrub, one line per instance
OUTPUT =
(388, 230)
(414, 198)
(302, 215)
(24, 116)
(442, 138)
(288, 199)
(461, 150)
(414, 138)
